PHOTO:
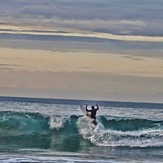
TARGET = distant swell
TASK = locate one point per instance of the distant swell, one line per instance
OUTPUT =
(34, 130)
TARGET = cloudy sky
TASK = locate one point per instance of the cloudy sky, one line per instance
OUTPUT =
(82, 49)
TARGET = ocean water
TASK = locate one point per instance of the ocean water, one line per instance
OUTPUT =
(52, 130)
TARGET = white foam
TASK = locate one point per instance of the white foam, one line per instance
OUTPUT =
(57, 122)
(104, 137)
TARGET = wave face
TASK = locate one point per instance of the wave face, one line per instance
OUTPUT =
(73, 133)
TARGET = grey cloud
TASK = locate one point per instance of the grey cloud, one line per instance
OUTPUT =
(75, 10)
(132, 50)
(61, 13)
(84, 9)
(9, 66)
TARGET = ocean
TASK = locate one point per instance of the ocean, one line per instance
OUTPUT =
(54, 130)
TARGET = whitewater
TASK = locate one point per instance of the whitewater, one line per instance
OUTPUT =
(50, 130)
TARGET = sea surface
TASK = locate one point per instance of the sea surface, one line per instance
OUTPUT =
(54, 130)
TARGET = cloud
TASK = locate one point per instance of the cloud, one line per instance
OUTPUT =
(93, 36)
(130, 17)
(9, 67)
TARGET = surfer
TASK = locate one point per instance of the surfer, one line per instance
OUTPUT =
(93, 113)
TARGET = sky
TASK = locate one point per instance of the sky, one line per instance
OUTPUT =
(83, 49)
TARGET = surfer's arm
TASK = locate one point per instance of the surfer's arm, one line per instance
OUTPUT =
(97, 107)
(87, 109)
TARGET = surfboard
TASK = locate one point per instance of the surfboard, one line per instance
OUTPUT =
(89, 119)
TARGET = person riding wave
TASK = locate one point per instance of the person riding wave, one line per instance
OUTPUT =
(93, 112)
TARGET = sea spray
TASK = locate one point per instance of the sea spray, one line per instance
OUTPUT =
(149, 136)
(57, 122)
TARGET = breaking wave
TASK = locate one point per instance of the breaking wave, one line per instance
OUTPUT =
(71, 133)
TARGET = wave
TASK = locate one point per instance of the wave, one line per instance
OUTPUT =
(71, 133)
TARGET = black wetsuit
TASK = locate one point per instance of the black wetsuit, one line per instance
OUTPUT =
(93, 112)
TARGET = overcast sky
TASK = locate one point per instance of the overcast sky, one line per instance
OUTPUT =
(137, 17)
(82, 49)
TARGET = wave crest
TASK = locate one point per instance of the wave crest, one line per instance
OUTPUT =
(59, 131)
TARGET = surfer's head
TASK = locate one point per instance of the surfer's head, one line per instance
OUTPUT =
(92, 107)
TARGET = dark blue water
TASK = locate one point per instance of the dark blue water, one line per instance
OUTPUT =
(53, 130)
